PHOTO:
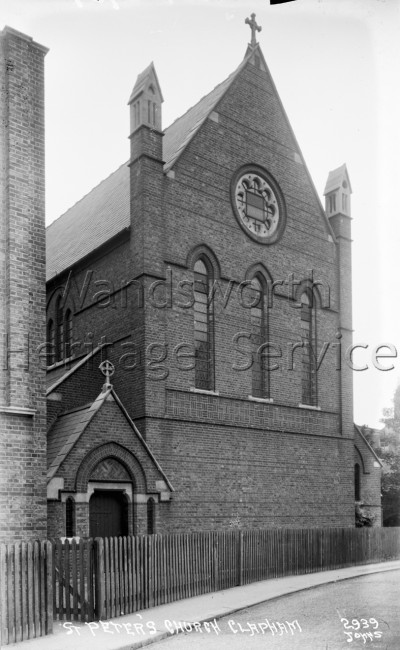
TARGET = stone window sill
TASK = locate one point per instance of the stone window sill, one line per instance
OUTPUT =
(311, 407)
(263, 400)
(204, 392)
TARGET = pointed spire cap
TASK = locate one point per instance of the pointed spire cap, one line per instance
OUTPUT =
(336, 178)
(146, 79)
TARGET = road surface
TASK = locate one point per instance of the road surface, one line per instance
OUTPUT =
(358, 613)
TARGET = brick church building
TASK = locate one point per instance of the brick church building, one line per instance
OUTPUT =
(198, 312)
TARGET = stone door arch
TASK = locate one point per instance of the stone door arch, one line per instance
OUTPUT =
(108, 483)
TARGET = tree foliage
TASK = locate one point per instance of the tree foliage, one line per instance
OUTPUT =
(389, 453)
(391, 487)
(363, 518)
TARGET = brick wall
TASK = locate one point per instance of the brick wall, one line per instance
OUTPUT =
(56, 519)
(263, 477)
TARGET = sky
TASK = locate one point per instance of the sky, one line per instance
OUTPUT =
(336, 67)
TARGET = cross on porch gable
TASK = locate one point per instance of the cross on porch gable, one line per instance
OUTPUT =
(108, 369)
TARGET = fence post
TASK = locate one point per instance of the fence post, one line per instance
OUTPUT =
(1, 594)
(49, 587)
(240, 563)
(99, 577)
(215, 563)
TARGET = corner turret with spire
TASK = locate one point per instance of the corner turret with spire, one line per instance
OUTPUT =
(146, 171)
(337, 193)
(337, 205)
(145, 100)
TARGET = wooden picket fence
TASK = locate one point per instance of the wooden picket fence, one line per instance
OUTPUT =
(140, 572)
(26, 601)
(86, 579)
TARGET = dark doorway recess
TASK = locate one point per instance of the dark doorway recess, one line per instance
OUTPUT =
(108, 514)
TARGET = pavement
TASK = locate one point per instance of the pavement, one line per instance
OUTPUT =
(152, 625)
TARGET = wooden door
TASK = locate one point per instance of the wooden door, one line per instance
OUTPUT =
(107, 514)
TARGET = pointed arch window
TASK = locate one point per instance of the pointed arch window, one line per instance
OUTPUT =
(357, 482)
(308, 337)
(59, 330)
(151, 112)
(150, 517)
(259, 336)
(203, 326)
(68, 333)
(50, 342)
(70, 517)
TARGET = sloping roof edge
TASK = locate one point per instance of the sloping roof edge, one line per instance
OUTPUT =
(323, 214)
(367, 443)
(70, 372)
(228, 81)
(142, 440)
(250, 52)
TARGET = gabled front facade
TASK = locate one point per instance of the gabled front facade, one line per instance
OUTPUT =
(208, 273)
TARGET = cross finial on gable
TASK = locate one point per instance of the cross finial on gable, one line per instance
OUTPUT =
(108, 369)
(254, 28)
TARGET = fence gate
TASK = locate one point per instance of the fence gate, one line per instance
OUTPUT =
(73, 580)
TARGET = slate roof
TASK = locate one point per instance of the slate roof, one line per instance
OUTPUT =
(96, 218)
(65, 432)
(104, 212)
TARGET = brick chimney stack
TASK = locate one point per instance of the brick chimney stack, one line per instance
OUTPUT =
(22, 289)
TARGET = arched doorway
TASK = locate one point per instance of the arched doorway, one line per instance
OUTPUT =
(112, 493)
(108, 514)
